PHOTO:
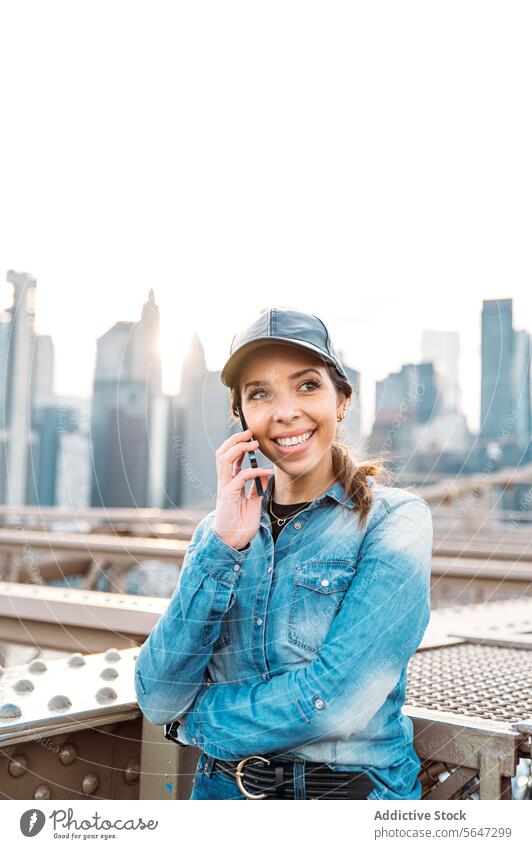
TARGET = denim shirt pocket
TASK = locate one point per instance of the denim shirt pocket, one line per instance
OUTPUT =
(319, 588)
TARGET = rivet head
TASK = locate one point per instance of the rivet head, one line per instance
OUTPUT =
(132, 772)
(9, 711)
(37, 666)
(59, 702)
(319, 703)
(23, 685)
(325, 582)
(109, 673)
(76, 660)
(18, 766)
(68, 754)
(112, 655)
(89, 783)
(105, 693)
(297, 525)
(42, 792)
(259, 621)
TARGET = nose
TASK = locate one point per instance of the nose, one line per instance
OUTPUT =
(286, 410)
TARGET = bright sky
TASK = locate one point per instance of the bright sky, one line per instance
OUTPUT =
(367, 162)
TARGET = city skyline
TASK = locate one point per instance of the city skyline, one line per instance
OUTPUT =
(74, 374)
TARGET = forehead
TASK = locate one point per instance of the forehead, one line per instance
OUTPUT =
(275, 362)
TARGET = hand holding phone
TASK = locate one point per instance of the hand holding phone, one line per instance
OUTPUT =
(237, 518)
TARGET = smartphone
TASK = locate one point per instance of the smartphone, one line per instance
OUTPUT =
(251, 454)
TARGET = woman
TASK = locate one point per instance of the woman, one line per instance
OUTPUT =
(283, 652)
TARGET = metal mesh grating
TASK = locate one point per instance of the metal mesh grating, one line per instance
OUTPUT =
(473, 680)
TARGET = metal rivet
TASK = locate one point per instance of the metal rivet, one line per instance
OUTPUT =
(109, 673)
(68, 754)
(76, 660)
(297, 525)
(59, 702)
(89, 783)
(112, 655)
(105, 693)
(259, 621)
(37, 666)
(132, 772)
(325, 582)
(10, 711)
(23, 685)
(319, 703)
(18, 766)
(42, 792)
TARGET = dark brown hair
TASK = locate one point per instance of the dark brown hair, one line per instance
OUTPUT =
(351, 472)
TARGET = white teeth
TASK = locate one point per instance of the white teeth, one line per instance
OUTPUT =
(295, 440)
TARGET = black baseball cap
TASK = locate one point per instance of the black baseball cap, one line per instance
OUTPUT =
(279, 325)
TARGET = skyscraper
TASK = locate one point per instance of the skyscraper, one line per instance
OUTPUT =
(204, 420)
(505, 388)
(17, 339)
(127, 382)
(442, 348)
(406, 403)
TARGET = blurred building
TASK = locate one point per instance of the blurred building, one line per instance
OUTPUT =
(199, 423)
(17, 341)
(73, 469)
(350, 427)
(406, 404)
(442, 348)
(126, 411)
(505, 415)
(42, 371)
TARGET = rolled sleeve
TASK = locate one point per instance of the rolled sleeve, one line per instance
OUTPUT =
(171, 664)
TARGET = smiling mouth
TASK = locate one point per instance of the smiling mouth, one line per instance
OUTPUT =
(299, 445)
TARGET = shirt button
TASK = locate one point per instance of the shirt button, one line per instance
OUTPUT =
(319, 703)
(264, 675)
(194, 740)
(259, 621)
(270, 569)
(236, 568)
(297, 525)
(325, 582)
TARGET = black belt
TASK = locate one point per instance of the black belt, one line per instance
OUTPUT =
(271, 778)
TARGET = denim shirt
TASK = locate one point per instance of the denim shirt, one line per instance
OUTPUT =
(299, 649)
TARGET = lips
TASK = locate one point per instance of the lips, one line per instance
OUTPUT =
(298, 447)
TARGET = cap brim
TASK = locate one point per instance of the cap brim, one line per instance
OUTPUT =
(235, 361)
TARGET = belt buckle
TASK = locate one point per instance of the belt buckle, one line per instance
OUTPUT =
(240, 774)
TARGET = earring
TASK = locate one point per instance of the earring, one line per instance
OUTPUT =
(341, 416)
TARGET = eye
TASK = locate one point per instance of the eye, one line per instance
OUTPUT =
(313, 382)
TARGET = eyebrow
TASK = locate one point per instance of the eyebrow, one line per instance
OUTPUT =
(290, 377)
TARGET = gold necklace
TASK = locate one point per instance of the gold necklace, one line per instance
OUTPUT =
(280, 522)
